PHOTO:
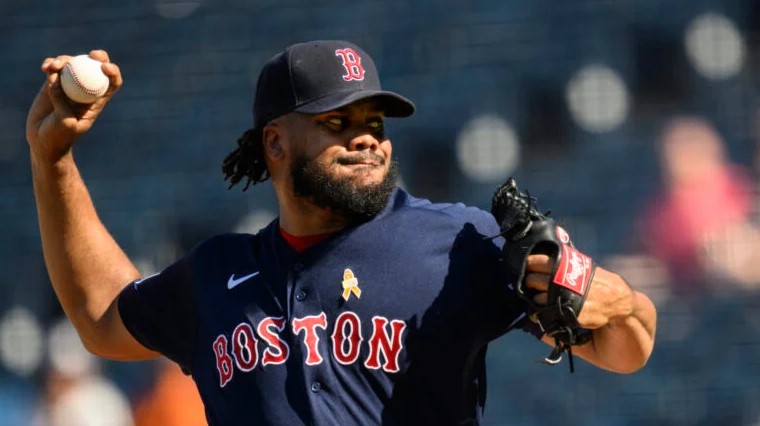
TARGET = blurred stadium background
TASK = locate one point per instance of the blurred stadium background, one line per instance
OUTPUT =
(571, 97)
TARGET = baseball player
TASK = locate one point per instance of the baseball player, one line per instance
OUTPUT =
(359, 304)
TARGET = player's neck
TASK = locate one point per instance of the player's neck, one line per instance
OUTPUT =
(299, 218)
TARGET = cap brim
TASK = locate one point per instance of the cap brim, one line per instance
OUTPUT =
(392, 104)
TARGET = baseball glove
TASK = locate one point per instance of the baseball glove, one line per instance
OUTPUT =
(528, 231)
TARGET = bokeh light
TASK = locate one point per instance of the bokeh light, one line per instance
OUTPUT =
(597, 98)
(715, 46)
(487, 149)
(66, 352)
(21, 341)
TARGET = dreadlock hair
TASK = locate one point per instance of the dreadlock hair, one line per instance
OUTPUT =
(246, 161)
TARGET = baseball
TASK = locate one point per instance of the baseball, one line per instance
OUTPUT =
(82, 80)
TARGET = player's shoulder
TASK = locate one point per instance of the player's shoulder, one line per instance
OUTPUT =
(455, 212)
(223, 245)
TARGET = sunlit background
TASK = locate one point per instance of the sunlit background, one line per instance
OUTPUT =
(636, 122)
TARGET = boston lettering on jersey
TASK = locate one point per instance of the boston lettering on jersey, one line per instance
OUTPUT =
(242, 350)
(384, 323)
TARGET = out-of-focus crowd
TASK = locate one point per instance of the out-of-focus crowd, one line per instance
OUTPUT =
(699, 236)
(75, 391)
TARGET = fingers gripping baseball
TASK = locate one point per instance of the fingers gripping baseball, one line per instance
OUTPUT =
(55, 122)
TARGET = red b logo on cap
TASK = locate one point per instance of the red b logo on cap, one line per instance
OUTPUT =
(352, 62)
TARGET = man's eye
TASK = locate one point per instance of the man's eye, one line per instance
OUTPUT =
(335, 122)
(375, 124)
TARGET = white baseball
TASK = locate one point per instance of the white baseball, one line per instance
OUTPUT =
(82, 80)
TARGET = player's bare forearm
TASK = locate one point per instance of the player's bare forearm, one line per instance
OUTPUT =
(623, 322)
(86, 266)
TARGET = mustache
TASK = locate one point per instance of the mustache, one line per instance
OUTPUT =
(360, 158)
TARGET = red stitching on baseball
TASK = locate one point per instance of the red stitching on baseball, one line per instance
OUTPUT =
(79, 83)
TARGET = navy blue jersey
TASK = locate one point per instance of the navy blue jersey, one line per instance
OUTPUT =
(384, 323)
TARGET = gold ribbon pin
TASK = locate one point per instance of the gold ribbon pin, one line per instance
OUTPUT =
(350, 285)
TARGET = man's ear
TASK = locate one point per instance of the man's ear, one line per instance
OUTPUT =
(271, 140)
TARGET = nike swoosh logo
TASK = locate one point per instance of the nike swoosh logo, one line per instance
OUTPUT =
(233, 282)
(138, 281)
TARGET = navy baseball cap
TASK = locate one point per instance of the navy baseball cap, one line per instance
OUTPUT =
(320, 76)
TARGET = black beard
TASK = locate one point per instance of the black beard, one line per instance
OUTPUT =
(357, 204)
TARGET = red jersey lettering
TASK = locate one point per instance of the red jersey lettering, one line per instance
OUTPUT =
(346, 344)
(390, 346)
(311, 340)
(244, 347)
(277, 351)
(223, 361)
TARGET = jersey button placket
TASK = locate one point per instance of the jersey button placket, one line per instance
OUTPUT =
(296, 293)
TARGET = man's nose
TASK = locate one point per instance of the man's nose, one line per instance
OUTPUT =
(364, 141)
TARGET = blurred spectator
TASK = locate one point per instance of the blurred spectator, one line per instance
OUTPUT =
(173, 401)
(699, 226)
(75, 393)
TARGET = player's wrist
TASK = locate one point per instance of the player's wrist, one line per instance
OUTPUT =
(51, 165)
(52, 149)
(626, 300)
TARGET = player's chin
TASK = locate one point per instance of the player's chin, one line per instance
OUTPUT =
(364, 174)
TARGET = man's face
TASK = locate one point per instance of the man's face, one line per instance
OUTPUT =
(341, 160)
